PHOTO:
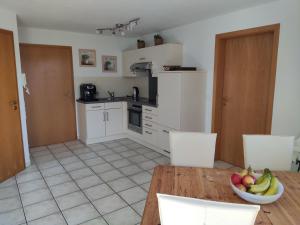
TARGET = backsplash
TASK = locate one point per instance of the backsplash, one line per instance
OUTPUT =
(120, 85)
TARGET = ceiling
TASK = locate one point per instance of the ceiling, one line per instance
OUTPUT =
(87, 15)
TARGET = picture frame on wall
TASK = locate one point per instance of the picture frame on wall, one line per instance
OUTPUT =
(87, 57)
(109, 64)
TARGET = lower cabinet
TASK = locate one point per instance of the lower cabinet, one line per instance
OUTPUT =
(150, 136)
(163, 141)
(97, 121)
(114, 121)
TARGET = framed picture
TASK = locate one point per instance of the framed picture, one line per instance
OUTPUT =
(109, 64)
(87, 57)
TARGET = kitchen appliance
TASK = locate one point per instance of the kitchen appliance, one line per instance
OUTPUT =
(136, 93)
(88, 92)
(140, 69)
(135, 117)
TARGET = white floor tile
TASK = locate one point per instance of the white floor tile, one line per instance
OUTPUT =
(97, 221)
(54, 219)
(81, 173)
(40, 210)
(87, 182)
(12, 217)
(130, 170)
(139, 207)
(8, 204)
(109, 204)
(133, 195)
(62, 189)
(121, 184)
(35, 196)
(141, 178)
(99, 191)
(71, 200)
(8, 192)
(111, 175)
(80, 214)
(125, 216)
(102, 168)
(58, 179)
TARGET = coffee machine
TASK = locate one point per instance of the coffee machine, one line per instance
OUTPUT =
(88, 92)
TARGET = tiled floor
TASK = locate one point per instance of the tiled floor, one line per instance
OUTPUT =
(73, 184)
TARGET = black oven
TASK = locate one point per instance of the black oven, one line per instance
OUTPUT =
(135, 117)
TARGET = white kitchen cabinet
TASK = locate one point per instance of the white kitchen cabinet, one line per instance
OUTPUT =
(114, 121)
(150, 136)
(182, 100)
(163, 141)
(100, 121)
(166, 54)
(95, 123)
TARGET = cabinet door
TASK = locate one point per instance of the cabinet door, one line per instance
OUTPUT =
(169, 99)
(95, 124)
(114, 121)
(163, 139)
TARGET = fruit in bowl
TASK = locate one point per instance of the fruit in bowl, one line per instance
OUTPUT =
(256, 188)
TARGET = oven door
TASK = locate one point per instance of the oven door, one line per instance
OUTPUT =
(135, 120)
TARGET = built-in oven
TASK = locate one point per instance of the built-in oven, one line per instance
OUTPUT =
(135, 117)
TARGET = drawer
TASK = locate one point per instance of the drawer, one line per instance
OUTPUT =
(150, 125)
(150, 110)
(163, 138)
(95, 106)
(149, 117)
(113, 105)
(150, 136)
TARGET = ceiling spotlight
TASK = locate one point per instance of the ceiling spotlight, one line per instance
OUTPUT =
(120, 28)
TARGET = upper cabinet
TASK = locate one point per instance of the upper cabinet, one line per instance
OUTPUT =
(160, 55)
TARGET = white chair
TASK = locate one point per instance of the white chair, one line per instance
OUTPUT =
(267, 151)
(192, 149)
(175, 210)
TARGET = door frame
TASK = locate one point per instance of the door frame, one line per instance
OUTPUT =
(72, 77)
(219, 68)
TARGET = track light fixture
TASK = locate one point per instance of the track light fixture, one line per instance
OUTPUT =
(120, 28)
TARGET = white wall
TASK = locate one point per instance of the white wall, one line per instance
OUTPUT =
(104, 45)
(8, 21)
(198, 41)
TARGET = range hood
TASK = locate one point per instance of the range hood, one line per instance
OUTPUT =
(141, 69)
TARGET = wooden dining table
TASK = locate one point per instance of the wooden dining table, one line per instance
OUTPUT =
(213, 184)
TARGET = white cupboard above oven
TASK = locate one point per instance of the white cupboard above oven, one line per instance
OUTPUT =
(100, 121)
(166, 54)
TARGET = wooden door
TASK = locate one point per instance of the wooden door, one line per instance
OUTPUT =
(51, 105)
(11, 146)
(246, 96)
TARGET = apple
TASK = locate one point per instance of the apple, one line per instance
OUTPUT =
(248, 180)
(236, 178)
(241, 187)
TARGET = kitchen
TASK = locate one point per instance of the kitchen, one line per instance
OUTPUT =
(118, 117)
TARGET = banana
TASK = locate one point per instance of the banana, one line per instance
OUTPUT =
(262, 177)
(273, 189)
(263, 186)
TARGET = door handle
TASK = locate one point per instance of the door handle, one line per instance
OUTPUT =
(104, 117)
(13, 104)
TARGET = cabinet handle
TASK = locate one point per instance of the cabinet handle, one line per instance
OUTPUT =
(104, 117)
(148, 117)
(166, 131)
(96, 107)
(107, 119)
(149, 110)
(142, 58)
(166, 151)
(149, 125)
(148, 132)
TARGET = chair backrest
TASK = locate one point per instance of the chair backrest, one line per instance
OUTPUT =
(175, 210)
(267, 151)
(192, 149)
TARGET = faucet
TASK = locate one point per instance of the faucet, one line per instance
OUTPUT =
(111, 94)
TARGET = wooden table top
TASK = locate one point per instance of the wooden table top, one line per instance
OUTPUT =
(213, 184)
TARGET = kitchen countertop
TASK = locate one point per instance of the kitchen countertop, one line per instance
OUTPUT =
(142, 101)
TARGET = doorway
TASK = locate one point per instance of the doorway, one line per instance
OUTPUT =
(50, 106)
(11, 145)
(244, 82)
